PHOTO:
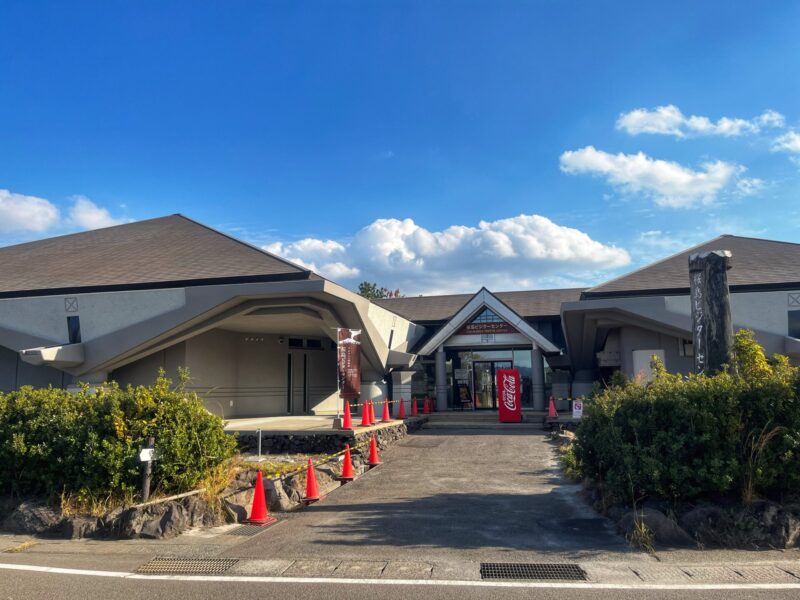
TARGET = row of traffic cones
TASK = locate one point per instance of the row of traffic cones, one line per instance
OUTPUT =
(258, 511)
(368, 412)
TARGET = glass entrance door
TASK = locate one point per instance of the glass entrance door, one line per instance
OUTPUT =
(485, 382)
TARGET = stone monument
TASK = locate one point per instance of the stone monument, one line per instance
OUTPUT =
(712, 331)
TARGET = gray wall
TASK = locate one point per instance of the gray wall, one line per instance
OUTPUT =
(15, 373)
(635, 338)
(244, 374)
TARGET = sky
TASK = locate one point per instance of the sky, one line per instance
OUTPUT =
(432, 146)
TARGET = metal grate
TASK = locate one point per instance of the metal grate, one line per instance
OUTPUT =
(187, 566)
(246, 530)
(537, 571)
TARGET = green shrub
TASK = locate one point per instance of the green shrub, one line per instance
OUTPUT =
(684, 437)
(86, 444)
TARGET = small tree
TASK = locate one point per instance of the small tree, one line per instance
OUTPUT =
(372, 291)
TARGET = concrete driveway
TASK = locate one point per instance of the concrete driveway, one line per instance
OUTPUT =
(448, 494)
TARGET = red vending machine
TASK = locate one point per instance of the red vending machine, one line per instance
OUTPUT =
(508, 394)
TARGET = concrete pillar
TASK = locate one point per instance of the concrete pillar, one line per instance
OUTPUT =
(441, 379)
(401, 388)
(537, 379)
(374, 390)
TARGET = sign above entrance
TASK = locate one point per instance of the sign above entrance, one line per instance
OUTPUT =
(486, 322)
(481, 328)
(349, 363)
(508, 395)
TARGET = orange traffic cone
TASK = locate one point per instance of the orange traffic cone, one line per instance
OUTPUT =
(312, 491)
(374, 461)
(402, 413)
(371, 412)
(258, 512)
(386, 417)
(347, 466)
(551, 411)
(426, 409)
(365, 414)
(347, 421)
(414, 412)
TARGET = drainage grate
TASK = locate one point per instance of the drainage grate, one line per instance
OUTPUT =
(538, 571)
(246, 530)
(188, 566)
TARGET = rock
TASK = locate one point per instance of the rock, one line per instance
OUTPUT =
(76, 528)
(238, 503)
(701, 521)
(165, 520)
(665, 531)
(279, 500)
(33, 518)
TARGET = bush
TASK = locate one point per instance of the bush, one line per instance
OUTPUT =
(86, 444)
(685, 437)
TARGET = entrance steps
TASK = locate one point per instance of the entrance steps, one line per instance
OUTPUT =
(482, 420)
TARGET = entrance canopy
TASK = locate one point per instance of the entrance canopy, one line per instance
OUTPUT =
(484, 299)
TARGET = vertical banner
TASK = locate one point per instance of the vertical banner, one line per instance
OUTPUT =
(349, 363)
(508, 395)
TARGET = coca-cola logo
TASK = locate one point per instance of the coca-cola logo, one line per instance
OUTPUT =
(510, 391)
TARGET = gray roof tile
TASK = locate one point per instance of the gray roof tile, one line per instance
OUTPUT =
(167, 249)
(533, 303)
(755, 262)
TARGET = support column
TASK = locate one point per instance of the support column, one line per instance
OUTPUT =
(441, 379)
(401, 388)
(537, 378)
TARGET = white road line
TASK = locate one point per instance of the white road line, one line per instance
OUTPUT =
(429, 582)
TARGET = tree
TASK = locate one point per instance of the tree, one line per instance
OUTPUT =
(371, 291)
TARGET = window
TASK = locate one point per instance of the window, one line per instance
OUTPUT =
(487, 316)
(314, 344)
(74, 329)
(295, 342)
(794, 323)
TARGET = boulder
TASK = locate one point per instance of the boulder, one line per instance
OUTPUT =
(279, 500)
(666, 532)
(33, 518)
(76, 528)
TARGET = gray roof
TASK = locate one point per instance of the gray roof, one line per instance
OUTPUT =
(755, 263)
(169, 249)
(533, 303)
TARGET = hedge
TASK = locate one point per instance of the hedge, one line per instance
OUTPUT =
(678, 437)
(86, 444)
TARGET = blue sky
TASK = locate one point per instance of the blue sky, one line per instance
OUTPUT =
(431, 146)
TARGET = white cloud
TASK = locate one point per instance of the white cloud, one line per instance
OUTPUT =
(21, 213)
(788, 142)
(668, 183)
(87, 215)
(669, 120)
(515, 253)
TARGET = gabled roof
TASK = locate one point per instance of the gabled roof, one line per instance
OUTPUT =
(151, 253)
(528, 304)
(756, 263)
(485, 298)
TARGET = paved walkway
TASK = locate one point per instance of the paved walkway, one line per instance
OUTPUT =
(446, 494)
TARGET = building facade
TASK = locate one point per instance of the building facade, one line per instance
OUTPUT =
(258, 333)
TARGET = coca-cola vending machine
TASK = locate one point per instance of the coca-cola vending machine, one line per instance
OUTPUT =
(508, 393)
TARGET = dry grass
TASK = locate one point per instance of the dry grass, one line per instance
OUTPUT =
(85, 503)
(755, 445)
(20, 548)
(642, 536)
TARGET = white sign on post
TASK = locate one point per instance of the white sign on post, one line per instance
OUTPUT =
(577, 409)
(147, 455)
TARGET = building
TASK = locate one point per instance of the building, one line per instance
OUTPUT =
(258, 332)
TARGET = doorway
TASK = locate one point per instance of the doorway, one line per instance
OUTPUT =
(485, 382)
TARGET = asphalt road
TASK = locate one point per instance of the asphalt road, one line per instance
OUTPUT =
(484, 495)
(48, 586)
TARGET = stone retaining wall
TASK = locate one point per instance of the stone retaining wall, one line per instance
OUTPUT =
(324, 442)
